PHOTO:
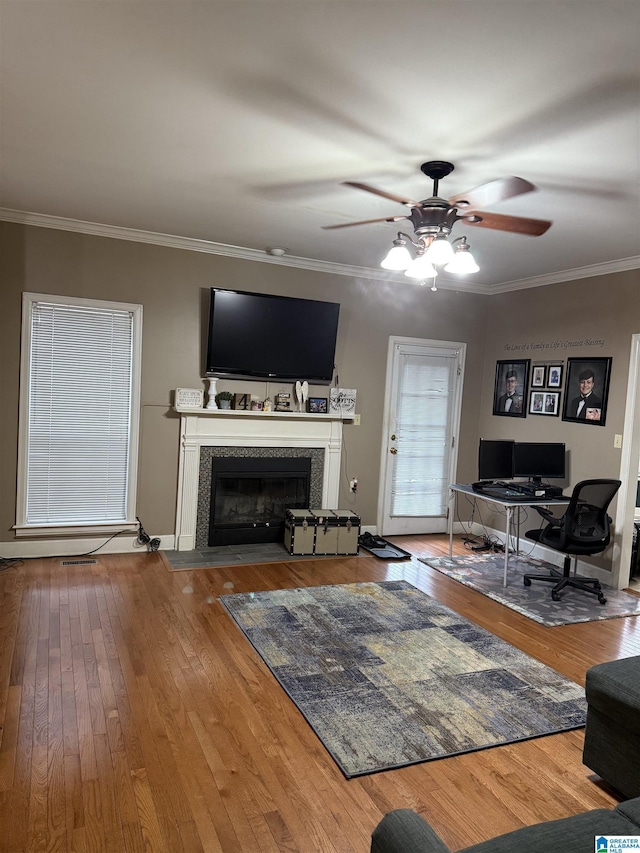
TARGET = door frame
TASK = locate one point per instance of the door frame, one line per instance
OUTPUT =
(629, 465)
(395, 340)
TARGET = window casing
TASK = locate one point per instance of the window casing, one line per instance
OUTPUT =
(79, 415)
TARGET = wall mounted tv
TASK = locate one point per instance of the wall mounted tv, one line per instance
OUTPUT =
(261, 336)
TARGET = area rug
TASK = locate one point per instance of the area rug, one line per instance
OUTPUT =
(388, 677)
(485, 574)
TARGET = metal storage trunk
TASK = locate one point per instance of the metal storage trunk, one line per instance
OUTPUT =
(348, 531)
(300, 531)
(326, 531)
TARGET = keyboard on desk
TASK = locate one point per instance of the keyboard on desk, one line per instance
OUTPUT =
(503, 491)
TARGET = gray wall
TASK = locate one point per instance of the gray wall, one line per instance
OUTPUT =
(591, 317)
(173, 287)
(553, 322)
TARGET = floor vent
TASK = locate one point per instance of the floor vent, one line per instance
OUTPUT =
(78, 562)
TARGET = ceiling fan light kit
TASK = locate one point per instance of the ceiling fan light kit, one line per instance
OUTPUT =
(421, 268)
(398, 257)
(433, 219)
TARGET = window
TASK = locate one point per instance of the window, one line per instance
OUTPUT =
(79, 414)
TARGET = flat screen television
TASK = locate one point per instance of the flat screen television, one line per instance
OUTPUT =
(261, 336)
(495, 459)
(539, 460)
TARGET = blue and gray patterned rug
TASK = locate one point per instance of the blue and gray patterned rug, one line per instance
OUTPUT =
(485, 574)
(387, 677)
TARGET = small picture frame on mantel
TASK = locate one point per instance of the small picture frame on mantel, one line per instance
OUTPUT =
(189, 398)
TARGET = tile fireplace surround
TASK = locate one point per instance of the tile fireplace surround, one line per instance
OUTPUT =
(222, 428)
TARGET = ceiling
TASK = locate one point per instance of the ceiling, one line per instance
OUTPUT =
(235, 123)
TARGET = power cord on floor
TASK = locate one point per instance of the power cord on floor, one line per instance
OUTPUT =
(145, 539)
(486, 543)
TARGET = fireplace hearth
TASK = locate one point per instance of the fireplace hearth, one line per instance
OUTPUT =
(249, 497)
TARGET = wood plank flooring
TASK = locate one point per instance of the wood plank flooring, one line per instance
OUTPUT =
(135, 717)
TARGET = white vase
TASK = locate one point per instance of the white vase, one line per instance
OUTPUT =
(211, 402)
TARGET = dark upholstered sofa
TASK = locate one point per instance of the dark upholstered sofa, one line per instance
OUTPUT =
(404, 831)
(612, 735)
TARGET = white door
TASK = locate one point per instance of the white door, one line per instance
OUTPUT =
(421, 420)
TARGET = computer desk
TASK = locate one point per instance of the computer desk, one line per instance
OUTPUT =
(508, 506)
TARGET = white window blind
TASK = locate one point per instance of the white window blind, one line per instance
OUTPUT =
(79, 421)
(423, 424)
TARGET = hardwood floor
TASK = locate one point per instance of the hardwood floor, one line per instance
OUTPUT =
(135, 716)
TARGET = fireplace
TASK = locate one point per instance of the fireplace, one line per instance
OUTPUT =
(205, 434)
(249, 497)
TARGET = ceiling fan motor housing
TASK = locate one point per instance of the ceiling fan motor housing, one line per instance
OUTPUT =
(435, 216)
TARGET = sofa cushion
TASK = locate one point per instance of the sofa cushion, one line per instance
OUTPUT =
(404, 831)
(614, 689)
(631, 809)
(574, 834)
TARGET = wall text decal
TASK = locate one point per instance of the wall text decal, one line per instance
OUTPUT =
(537, 346)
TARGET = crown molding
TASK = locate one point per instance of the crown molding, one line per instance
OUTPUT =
(605, 268)
(192, 244)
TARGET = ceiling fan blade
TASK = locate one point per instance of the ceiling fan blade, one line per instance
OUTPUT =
(494, 191)
(515, 224)
(365, 222)
(384, 194)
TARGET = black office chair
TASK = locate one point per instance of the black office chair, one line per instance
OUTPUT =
(585, 528)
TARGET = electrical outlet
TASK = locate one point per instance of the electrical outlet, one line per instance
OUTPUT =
(617, 440)
(356, 420)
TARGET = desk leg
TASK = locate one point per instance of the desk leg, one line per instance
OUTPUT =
(452, 496)
(506, 544)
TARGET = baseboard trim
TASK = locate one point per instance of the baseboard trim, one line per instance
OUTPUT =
(79, 547)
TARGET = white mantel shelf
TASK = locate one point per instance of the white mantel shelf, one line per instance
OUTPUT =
(242, 413)
(239, 428)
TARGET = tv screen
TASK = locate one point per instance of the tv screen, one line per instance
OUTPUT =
(260, 336)
(495, 459)
(538, 459)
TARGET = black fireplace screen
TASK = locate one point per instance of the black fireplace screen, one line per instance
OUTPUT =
(249, 497)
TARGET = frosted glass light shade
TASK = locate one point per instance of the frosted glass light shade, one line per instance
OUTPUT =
(398, 258)
(421, 268)
(440, 251)
(462, 262)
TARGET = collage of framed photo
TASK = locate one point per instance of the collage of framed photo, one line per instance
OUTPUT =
(585, 382)
(543, 401)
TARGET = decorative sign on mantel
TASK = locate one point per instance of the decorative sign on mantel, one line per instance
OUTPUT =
(342, 401)
(189, 398)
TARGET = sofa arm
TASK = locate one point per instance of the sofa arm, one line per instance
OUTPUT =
(404, 831)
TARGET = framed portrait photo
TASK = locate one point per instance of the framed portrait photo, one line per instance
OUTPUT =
(587, 390)
(538, 376)
(544, 403)
(554, 377)
(510, 389)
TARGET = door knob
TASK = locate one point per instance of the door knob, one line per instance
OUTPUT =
(393, 450)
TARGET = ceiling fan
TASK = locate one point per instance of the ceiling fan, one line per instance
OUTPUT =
(433, 219)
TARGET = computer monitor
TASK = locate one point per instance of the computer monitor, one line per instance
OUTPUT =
(495, 459)
(539, 460)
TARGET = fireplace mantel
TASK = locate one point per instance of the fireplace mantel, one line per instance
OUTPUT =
(230, 428)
